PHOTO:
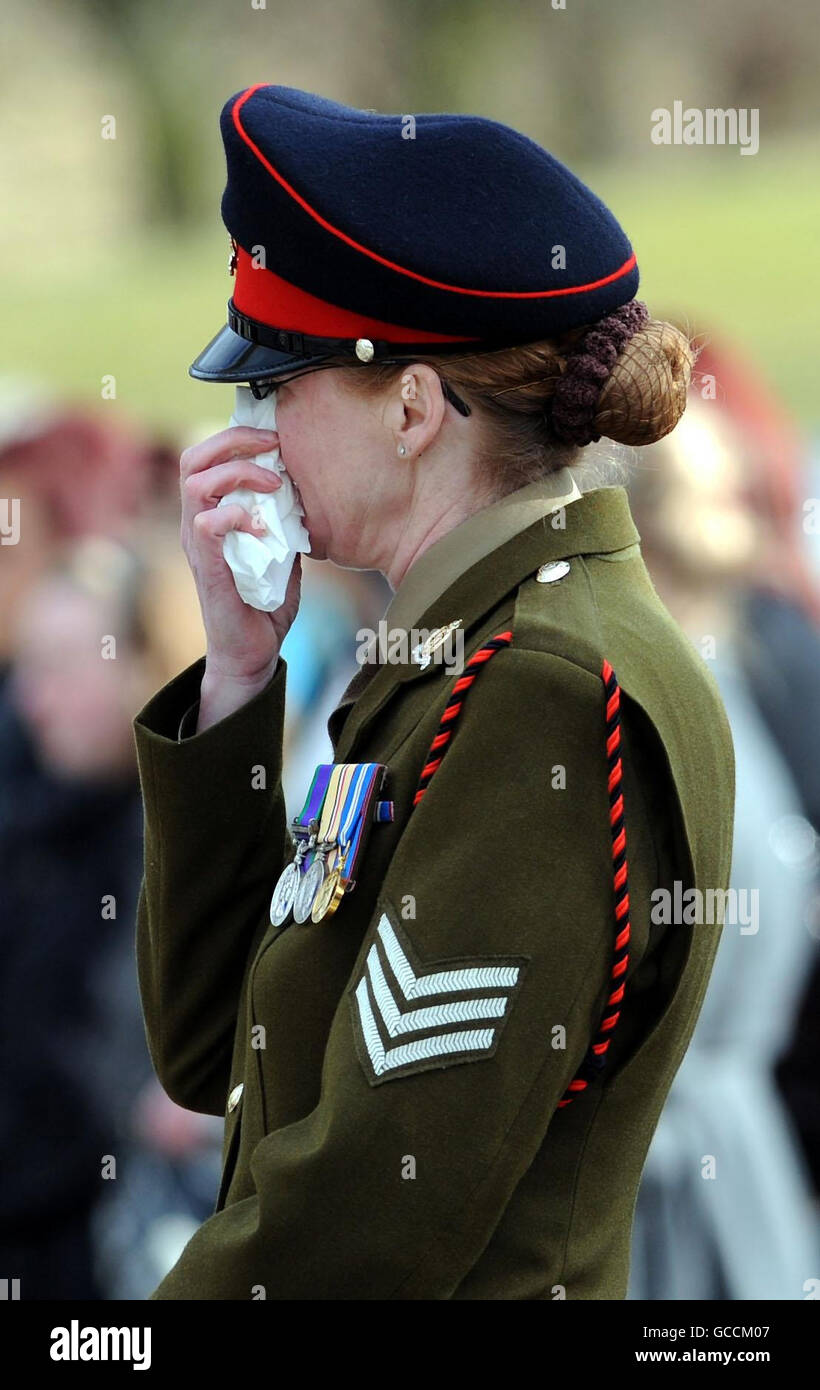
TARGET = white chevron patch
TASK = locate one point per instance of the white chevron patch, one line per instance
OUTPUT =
(382, 1002)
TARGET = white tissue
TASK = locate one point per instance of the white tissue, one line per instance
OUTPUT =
(261, 564)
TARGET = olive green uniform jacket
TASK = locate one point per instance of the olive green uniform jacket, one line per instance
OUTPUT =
(366, 1156)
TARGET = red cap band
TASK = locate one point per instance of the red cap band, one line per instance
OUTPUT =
(266, 297)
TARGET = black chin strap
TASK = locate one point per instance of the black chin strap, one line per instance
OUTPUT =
(362, 350)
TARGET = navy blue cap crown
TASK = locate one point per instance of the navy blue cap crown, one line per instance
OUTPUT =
(434, 231)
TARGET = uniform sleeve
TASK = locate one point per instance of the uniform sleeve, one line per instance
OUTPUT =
(215, 839)
(477, 989)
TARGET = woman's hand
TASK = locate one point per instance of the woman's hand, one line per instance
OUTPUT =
(242, 642)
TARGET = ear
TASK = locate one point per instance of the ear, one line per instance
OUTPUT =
(416, 409)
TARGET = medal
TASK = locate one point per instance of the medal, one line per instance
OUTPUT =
(358, 815)
(305, 827)
(288, 881)
(332, 829)
(351, 811)
(341, 775)
(329, 896)
(309, 884)
(284, 893)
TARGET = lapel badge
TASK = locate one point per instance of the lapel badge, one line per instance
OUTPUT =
(551, 571)
(422, 654)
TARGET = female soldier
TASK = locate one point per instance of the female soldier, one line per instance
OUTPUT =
(442, 1045)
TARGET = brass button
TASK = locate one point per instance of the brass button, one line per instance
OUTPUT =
(554, 569)
(235, 1097)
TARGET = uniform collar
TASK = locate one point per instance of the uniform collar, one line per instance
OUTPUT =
(448, 557)
(598, 522)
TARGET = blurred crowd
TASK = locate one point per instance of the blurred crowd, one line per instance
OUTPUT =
(728, 509)
(103, 1178)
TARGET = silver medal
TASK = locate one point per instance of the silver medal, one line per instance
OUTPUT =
(311, 882)
(284, 894)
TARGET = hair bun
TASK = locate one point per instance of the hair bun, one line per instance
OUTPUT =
(626, 379)
(586, 370)
(645, 393)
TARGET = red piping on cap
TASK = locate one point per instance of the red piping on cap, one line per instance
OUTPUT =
(391, 265)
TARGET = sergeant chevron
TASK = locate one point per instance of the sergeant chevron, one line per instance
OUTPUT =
(381, 998)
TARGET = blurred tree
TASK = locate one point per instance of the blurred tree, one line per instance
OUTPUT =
(147, 38)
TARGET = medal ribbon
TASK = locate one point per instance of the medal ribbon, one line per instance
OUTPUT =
(351, 840)
(340, 777)
(316, 795)
(352, 809)
(309, 812)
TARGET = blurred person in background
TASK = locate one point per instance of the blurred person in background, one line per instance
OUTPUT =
(781, 628)
(70, 844)
(780, 654)
(743, 1227)
(65, 472)
(77, 1081)
(169, 1184)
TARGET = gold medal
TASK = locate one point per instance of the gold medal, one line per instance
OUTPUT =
(329, 896)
